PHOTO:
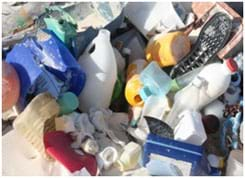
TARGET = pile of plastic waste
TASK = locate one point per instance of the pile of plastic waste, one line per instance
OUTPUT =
(156, 92)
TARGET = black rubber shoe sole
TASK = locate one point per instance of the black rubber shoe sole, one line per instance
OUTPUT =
(211, 40)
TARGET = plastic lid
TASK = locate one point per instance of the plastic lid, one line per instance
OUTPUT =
(231, 64)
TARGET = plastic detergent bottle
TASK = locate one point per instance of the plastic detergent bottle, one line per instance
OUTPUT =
(99, 64)
(207, 86)
(168, 49)
(155, 80)
(133, 86)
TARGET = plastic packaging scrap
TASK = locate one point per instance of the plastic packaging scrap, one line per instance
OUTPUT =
(51, 67)
(99, 64)
(37, 119)
(10, 86)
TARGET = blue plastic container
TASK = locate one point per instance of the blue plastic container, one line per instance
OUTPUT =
(178, 151)
(43, 63)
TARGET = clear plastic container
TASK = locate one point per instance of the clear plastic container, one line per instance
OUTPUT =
(155, 80)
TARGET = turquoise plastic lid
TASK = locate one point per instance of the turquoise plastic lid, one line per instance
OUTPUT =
(68, 103)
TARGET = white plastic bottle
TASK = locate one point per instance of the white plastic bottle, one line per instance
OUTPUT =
(207, 86)
(99, 64)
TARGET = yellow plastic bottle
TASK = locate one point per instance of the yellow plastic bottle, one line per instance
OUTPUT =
(168, 49)
(134, 85)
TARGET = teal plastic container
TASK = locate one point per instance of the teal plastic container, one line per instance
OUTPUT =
(155, 80)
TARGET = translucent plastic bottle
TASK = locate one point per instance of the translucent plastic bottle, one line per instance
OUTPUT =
(207, 86)
(155, 80)
(183, 80)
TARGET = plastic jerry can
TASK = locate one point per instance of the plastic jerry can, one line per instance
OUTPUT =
(10, 86)
(207, 86)
(155, 80)
(168, 49)
(190, 128)
(99, 64)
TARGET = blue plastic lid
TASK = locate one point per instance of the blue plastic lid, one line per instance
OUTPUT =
(145, 92)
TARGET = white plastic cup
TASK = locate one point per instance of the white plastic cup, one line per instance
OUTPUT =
(235, 163)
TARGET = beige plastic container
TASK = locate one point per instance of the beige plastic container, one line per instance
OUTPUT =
(130, 156)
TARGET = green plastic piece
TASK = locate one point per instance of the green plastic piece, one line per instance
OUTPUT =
(68, 102)
(117, 88)
(174, 86)
(64, 26)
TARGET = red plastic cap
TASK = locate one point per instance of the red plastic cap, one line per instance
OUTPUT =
(231, 64)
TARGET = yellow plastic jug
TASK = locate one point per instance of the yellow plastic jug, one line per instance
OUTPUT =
(168, 49)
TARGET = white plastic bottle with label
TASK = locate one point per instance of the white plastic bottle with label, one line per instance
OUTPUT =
(99, 64)
(207, 86)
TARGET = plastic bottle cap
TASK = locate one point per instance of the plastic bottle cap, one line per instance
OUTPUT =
(231, 64)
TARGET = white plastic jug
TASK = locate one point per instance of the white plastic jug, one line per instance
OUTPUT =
(190, 128)
(99, 64)
(207, 86)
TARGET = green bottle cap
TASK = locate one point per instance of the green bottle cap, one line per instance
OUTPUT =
(68, 103)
